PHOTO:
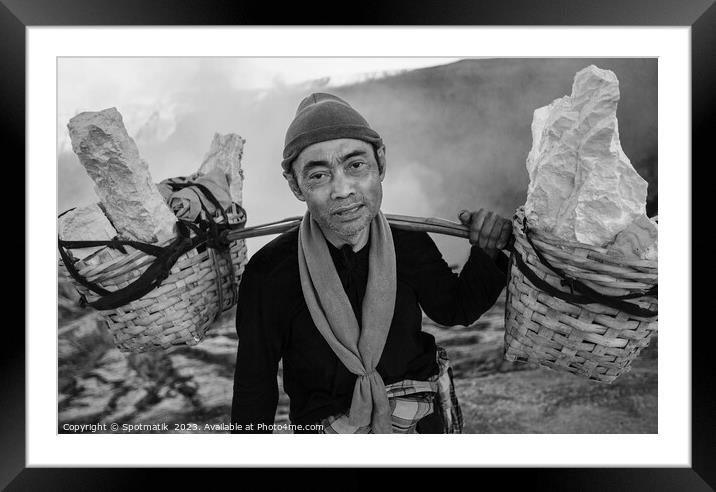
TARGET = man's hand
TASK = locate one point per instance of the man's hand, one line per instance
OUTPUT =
(487, 229)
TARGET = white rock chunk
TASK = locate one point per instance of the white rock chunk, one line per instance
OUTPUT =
(639, 239)
(225, 154)
(582, 185)
(122, 180)
(86, 223)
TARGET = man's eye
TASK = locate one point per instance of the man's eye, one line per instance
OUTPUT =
(317, 176)
(357, 164)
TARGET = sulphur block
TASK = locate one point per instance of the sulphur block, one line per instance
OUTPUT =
(86, 223)
(225, 155)
(638, 240)
(582, 185)
(121, 177)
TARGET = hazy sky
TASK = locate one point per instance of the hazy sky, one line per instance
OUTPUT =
(145, 85)
(159, 97)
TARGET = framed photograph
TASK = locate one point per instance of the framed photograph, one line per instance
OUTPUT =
(467, 110)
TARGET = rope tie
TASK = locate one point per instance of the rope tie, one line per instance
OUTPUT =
(206, 232)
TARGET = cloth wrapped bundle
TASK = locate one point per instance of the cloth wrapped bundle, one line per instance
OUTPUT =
(188, 203)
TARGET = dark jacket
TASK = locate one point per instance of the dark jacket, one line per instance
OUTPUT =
(273, 323)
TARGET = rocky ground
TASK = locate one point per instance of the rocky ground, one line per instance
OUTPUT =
(189, 388)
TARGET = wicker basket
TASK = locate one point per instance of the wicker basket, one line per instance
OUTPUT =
(592, 340)
(201, 285)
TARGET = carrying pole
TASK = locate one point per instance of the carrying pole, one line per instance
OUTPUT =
(406, 222)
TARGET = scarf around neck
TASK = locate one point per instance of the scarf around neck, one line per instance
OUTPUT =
(358, 347)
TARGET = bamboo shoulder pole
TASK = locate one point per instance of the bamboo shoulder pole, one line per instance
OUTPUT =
(429, 224)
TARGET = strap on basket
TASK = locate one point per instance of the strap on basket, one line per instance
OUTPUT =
(151, 278)
(208, 232)
(217, 238)
(586, 294)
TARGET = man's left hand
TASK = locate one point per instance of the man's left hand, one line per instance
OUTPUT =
(487, 229)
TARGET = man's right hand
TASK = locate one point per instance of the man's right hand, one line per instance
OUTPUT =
(488, 230)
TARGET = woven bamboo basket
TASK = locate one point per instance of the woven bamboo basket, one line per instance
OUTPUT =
(592, 340)
(201, 285)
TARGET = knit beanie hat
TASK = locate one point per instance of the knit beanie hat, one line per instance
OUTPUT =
(322, 117)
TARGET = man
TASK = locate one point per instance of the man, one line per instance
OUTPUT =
(339, 299)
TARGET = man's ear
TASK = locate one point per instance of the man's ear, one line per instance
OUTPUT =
(294, 185)
(380, 156)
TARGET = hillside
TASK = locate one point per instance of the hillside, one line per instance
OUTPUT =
(193, 385)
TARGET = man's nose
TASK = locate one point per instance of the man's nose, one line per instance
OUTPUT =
(342, 186)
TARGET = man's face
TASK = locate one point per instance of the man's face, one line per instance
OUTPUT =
(341, 183)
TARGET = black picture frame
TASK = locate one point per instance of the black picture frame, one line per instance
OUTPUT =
(700, 15)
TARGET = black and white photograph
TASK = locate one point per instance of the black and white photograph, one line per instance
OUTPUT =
(348, 245)
(243, 229)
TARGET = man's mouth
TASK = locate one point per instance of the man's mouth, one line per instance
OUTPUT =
(348, 210)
